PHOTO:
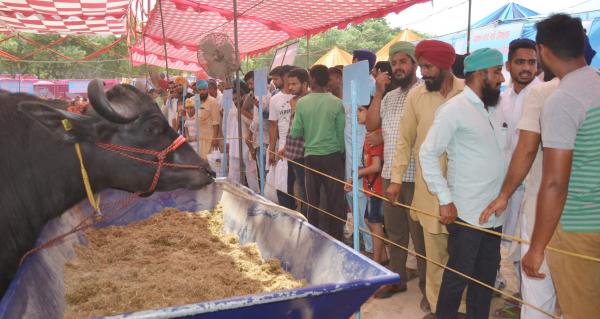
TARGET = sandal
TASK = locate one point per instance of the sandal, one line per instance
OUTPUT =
(508, 312)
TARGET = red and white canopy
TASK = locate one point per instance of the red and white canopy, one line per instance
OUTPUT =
(64, 16)
(262, 24)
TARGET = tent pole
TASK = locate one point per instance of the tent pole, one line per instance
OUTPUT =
(237, 84)
(144, 42)
(469, 29)
(307, 52)
(162, 24)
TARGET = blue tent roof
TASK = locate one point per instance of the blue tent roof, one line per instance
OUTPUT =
(510, 11)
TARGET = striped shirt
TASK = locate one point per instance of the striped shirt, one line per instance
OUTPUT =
(391, 111)
(571, 121)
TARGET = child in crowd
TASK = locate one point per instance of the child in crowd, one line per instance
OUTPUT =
(372, 163)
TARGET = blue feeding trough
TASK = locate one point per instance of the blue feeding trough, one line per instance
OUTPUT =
(339, 279)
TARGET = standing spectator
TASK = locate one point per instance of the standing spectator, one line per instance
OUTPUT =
(279, 125)
(435, 59)
(471, 133)
(294, 147)
(522, 66)
(370, 173)
(214, 92)
(528, 154)
(320, 121)
(253, 138)
(208, 118)
(335, 83)
(277, 78)
(191, 134)
(568, 206)
(335, 86)
(386, 112)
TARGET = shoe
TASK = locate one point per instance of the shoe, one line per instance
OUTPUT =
(387, 291)
(430, 316)
(461, 316)
(424, 305)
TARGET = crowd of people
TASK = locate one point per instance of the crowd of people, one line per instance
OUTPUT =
(524, 162)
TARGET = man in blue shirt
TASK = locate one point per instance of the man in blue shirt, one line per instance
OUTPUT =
(469, 130)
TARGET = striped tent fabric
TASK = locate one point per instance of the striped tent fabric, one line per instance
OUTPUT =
(262, 25)
(64, 16)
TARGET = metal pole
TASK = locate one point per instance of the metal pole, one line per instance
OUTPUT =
(162, 24)
(144, 42)
(237, 84)
(469, 30)
(355, 184)
(307, 52)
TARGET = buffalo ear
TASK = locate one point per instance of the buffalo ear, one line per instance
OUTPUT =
(51, 119)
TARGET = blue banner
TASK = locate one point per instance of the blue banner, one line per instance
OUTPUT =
(16, 86)
(78, 86)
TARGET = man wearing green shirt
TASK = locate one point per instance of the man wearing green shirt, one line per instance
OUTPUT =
(320, 121)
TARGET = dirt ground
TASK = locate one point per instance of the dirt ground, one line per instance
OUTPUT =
(406, 305)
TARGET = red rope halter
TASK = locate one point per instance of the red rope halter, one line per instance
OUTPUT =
(160, 156)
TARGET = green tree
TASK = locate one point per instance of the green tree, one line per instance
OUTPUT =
(372, 34)
(47, 65)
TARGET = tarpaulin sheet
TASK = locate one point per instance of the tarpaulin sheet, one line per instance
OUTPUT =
(262, 25)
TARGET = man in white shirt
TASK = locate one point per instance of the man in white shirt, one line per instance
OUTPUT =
(280, 112)
(522, 66)
(468, 130)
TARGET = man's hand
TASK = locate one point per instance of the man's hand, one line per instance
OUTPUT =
(272, 160)
(374, 138)
(497, 207)
(448, 213)
(281, 153)
(393, 192)
(348, 188)
(531, 263)
(382, 80)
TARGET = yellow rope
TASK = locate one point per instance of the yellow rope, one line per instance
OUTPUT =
(489, 231)
(507, 295)
(86, 180)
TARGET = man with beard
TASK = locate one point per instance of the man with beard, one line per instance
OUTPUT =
(435, 59)
(568, 205)
(386, 112)
(208, 119)
(469, 130)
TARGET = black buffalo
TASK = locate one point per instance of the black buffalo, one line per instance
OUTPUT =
(39, 172)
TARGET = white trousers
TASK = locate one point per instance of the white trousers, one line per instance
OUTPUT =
(538, 292)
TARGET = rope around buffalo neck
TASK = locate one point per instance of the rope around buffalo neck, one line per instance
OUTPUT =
(95, 203)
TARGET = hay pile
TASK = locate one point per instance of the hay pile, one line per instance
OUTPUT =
(170, 259)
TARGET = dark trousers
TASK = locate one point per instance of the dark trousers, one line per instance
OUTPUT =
(332, 164)
(476, 254)
(399, 226)
(300, 175)
(284, 199)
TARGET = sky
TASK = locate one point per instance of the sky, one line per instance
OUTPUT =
(446, 16)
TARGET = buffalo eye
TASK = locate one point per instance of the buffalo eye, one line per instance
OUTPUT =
(154, 128)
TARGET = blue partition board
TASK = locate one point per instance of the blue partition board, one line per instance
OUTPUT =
(359, 73)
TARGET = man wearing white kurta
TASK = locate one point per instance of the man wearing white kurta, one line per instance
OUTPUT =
(468, 129)
(522, 65)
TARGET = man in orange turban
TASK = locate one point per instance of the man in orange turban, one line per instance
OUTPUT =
(435, 58)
